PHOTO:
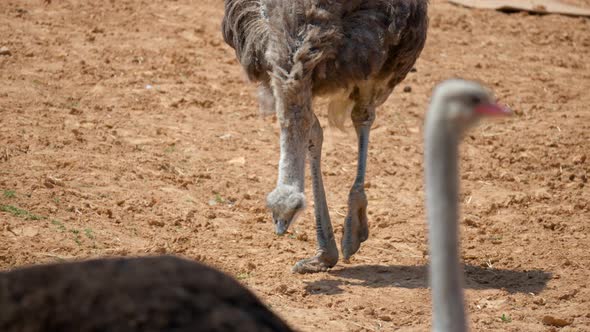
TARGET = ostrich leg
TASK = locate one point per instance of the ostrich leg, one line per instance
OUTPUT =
(327, 252)
(356, 228)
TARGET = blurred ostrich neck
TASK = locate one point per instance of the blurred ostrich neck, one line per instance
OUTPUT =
(441, 156)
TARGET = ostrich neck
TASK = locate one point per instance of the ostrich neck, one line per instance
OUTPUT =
(442, 183)
(295, 117)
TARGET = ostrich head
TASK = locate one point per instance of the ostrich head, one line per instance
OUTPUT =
(286, 203)
(462, 103)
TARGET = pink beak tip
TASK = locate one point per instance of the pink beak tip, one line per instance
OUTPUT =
(493, 110)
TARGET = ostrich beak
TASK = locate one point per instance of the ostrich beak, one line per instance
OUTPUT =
(281, 227)
(493, 110)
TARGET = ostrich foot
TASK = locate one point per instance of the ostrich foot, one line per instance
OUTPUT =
(356, 227)
(321, 262)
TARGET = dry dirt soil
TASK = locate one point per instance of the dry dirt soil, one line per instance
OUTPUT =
(127, 128)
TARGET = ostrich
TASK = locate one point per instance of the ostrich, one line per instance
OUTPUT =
(456, 105)
(352, 51)
(129, 294)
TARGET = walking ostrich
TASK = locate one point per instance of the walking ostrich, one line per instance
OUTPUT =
(456, 105)
(132, 295)
(355, 52)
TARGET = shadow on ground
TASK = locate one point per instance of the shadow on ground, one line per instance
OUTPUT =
(476, 277)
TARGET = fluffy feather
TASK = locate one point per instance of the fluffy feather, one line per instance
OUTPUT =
(338, 43)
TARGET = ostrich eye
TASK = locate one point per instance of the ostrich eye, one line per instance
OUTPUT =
(474, 100)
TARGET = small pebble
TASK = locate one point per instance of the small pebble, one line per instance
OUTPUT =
(407, 88)
(5, 51)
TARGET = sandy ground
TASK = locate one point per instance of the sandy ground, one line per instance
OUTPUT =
(127, 128)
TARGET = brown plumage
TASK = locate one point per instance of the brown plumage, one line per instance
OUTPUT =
(130, 294)
(353, 51)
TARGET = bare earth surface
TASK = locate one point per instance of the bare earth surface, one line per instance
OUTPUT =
(126, 128)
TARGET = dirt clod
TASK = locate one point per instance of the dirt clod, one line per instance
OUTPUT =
(302, 236)
(155, 222)
(557, 322)
(579, 159)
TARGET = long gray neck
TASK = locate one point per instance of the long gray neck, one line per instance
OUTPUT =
(446, 277)
(293, 105)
